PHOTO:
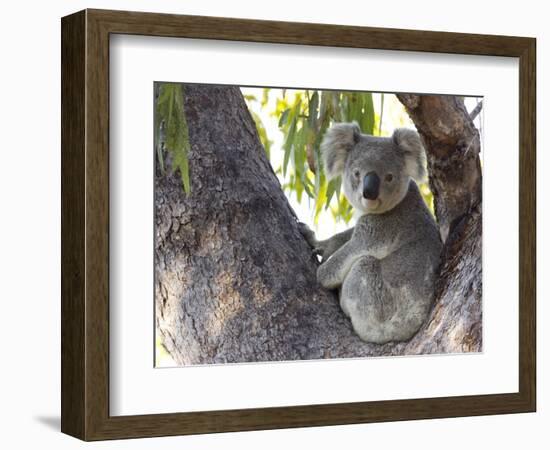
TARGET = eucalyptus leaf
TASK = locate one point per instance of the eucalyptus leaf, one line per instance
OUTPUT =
(171, 124)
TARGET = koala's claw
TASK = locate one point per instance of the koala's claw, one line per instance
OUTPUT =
(318, 251)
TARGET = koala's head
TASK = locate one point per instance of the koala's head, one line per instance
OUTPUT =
(376, 171)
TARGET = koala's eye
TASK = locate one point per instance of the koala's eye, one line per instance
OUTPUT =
(356, 173)
(389, 177)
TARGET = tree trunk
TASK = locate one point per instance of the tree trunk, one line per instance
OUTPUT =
(235, 280)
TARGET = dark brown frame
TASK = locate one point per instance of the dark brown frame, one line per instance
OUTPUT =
(85, 224)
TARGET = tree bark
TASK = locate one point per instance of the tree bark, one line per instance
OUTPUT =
(235, 280)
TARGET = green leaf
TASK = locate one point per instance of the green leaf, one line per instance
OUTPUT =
(157, 130)
(284, 118)
(265, 97)
(299, 188)
(336, 107)
(353, 107)
(288, 144)
(313, 105)
(325, 102)
(331, 190)
(381, 114)
(262, 134)
(367, 123)
(320, 201)
(171, 113)
(306, 182)
(319, 172)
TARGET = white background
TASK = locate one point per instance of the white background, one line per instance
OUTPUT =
(30, 229)
(136, 387)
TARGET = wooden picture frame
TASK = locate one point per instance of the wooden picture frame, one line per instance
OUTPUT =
(85, 224)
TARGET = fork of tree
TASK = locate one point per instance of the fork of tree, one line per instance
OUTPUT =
(235, 280)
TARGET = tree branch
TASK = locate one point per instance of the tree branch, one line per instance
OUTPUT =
(475, 112)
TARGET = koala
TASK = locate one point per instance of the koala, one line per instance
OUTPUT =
(385, 267)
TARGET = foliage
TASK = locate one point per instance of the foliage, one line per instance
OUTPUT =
(171, 131)
(303, 118)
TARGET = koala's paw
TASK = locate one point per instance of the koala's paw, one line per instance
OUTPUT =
(318, 247)
(307, 233)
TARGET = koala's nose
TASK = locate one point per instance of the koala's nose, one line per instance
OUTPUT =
(371, 186)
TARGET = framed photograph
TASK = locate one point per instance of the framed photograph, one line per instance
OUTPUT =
(273, 225)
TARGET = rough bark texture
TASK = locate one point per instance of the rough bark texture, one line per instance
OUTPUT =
(235, 280)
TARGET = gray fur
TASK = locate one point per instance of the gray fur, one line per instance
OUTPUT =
(326, 247)
(415, 156)
(385, 267)
(338, 141)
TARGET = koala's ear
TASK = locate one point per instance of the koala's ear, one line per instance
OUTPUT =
(337, 142)
(415, 156)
